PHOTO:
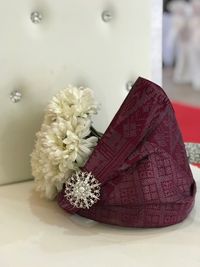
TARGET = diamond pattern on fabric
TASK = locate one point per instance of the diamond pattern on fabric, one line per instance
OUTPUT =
(141, 164)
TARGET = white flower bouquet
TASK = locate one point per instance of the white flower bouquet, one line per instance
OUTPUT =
(65, 140)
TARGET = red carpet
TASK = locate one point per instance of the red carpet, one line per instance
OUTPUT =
(188, 118)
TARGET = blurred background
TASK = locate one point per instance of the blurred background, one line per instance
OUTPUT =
(181, 63)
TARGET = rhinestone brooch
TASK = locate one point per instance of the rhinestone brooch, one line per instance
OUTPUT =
(82, 190)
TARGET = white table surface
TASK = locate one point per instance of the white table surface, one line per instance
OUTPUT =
(37, 233)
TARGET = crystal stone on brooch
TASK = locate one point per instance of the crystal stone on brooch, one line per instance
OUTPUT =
(82, 190)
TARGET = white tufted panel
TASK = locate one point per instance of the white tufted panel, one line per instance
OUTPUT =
(156, 40)
(71, 45)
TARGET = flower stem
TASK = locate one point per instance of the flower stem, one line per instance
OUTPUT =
(94, 132)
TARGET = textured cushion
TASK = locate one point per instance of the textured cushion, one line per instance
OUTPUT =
(142, 165)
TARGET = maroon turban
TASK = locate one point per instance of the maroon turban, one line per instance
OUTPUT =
(141, 164)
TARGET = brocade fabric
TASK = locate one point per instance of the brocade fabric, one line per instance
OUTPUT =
(141, 164)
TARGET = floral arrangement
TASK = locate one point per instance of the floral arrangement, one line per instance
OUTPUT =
(65, 141)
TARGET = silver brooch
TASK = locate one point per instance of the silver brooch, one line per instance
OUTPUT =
(82, 190)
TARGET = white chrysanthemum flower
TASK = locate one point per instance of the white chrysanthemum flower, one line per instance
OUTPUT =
(48, 177)
(68, 140)
(61, 148)
(64, 143)
(71, 101)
